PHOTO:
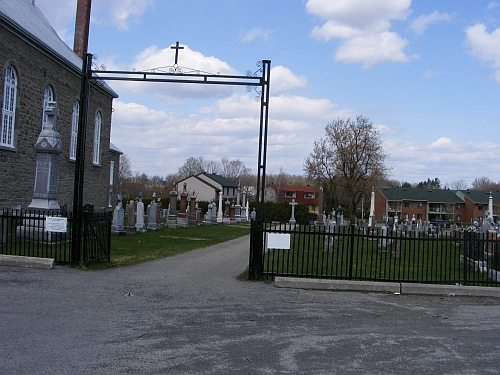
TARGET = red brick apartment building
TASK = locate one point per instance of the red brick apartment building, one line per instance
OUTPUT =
(435, 205)
(302, 194)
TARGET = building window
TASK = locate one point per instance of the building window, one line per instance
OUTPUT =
(309, 195)
(458, 206)
(407, 204)
(97, 139)
(48, 96)
(419, 216)
(458, 218)
(111, 172)
(419, 205)
(406, 216)
(8, 107)
(74, 130)
(290, 194)
(480, 208)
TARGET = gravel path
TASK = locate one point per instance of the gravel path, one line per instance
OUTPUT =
(189, 314)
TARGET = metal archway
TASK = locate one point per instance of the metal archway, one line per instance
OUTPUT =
(175, 75)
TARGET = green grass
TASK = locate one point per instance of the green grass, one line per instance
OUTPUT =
(143, 247)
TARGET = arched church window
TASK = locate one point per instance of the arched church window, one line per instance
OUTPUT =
(97, 139)
(8, 107)
(74, 130)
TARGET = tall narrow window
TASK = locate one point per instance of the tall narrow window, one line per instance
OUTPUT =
(111, 172)
(74, 131)
(8, 107)
(97, 139)
(48, 96)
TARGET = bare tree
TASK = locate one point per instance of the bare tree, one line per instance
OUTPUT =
(191, 166)
(233, 170)
(483, 183)
(457, 185)
(125, 168)
(348, 161)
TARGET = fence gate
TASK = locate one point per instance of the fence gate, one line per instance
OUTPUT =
(173, 74)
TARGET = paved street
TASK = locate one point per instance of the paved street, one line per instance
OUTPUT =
(189, 314)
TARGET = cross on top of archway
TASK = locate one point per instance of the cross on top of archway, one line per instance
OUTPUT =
(177, 48)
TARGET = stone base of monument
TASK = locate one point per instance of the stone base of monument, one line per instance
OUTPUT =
(35, 229)
(130, 230)
(226, 220)
(118, 230)
(192, 222)
(39, 234)
(182, 222)
(475, 265)
(152, 226)
(172, 222)
(140, 228)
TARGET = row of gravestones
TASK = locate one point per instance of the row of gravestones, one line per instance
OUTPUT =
(189, 214)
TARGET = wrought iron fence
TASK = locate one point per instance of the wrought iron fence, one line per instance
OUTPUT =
(446, 257)
(38, 234)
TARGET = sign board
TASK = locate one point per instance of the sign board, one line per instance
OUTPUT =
(278, 241)
(56, 224)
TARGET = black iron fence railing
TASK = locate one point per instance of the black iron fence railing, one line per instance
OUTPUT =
(448, 257)
(48, 235)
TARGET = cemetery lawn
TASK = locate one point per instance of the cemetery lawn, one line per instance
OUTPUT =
(143, 247)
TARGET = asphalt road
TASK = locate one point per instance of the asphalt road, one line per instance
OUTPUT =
(189, 314)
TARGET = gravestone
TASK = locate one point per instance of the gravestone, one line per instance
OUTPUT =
(192, 220)
(383, 240)
(159, 212)
(139, 225)
(292, 220)
(226, 219)
(172, 211)
(118, 217)
(152, 224)
(131, 229)
(182, 220)
(219, 212)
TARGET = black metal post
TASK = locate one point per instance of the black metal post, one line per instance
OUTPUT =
(255, 266)
(76, 237)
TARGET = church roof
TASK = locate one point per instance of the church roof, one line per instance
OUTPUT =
(25, 18)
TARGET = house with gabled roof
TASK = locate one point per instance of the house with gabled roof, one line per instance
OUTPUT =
(208, 186)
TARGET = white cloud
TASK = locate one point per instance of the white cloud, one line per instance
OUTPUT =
(414, 161)
(119, 13)
(429, 74)
(363, 27)
(282, 80)
(492, 5)
(420, 24)
(484, 46)
(257, 33)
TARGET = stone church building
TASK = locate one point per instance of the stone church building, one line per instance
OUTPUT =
(37, 67)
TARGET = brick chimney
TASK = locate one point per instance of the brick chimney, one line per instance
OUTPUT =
(82, 23)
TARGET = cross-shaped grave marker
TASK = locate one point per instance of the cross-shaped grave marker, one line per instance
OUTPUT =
(177, 48)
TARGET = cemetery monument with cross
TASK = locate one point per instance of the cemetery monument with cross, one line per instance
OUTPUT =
(176, 74)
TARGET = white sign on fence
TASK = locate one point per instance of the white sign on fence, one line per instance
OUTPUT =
(56, 224)
(278, 241)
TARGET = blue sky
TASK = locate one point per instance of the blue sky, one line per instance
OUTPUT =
(426, 73)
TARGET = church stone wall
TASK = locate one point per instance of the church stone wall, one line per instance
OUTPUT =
(35, 70)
